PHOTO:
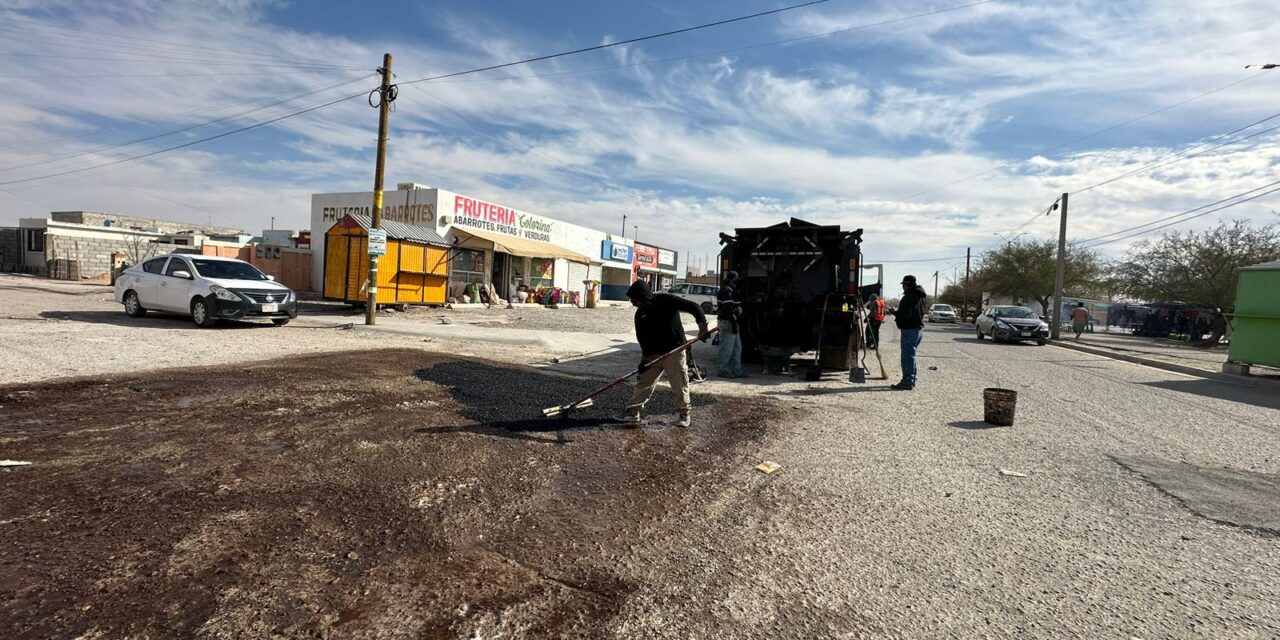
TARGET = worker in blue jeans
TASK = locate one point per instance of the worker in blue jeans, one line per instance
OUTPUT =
(909, 316)
(728, 313)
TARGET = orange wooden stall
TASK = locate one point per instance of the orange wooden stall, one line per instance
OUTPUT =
(415, 269)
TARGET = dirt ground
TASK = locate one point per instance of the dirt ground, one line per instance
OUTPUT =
(383, 494)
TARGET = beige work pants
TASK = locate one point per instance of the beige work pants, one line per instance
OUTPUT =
(677, 372)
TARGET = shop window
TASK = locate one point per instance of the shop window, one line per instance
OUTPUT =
(35, 240)
(542, 273)
(467, 265)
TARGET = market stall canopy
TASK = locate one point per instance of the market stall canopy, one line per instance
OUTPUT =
(525, 247)
(397, 230)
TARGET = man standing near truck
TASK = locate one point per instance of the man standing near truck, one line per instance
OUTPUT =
(909, 316)
(659, 330)
(728, 314)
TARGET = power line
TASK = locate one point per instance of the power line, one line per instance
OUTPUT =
(618, 43)
(761, 45)
(1090, 135)
(171, 61)
(1189, 152)
(190, 144)
(182, 130)
(1179, 215)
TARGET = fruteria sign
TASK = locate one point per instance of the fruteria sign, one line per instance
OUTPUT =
(646, 256)
(486, 216)
(610, 250)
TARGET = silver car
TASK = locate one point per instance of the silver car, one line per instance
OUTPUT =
(941, 313)
(703, 294)
(1010, 323)
(207, 288)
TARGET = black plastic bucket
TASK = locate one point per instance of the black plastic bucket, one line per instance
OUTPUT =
(999, 405)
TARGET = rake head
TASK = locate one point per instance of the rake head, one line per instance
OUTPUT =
(563, 410)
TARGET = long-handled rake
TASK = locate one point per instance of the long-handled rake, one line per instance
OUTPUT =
(562, 411)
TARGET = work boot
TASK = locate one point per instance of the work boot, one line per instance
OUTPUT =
(902, 386)
(684, 420)
(629, 416)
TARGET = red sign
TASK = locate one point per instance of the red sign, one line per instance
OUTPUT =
(304, 239)
(646, 256)
(481, 210)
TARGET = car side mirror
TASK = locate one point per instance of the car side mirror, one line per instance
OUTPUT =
(185, 275)
(271, 278)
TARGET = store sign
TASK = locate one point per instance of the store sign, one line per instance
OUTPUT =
(478, 214)
(610, 250)
(646, 256)
(667, 259)
(377, 242)
(419, 214)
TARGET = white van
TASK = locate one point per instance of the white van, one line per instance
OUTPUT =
(703, 294)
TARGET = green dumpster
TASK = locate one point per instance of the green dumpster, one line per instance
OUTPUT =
(1255, 325)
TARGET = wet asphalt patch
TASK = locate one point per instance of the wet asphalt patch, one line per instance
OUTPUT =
(360, 493)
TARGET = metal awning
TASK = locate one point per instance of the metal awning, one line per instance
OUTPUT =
(523, 246)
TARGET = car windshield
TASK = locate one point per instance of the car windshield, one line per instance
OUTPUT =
(227, 269)
(1015, 312)
(942, 307)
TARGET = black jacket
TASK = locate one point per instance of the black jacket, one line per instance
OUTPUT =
(658, 325)
(910, 312)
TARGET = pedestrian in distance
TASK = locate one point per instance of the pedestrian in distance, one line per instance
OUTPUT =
(875, 318)
(1079, 319)
(728, 317)
(909, 316)
(659, 330)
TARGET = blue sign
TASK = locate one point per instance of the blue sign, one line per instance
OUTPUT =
(610, 250)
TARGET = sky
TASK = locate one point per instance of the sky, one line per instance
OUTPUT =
(933, 126)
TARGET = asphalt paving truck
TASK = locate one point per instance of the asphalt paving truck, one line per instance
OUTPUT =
(801, 291)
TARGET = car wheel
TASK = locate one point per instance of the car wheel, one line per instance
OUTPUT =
(280, 322)
(132, 306)
(980, 336)
(707, 308)
(1042, 342)
(201, 315)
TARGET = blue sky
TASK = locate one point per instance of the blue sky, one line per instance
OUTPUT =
(850, 128)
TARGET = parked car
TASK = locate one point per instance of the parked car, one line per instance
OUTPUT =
(1010, 323)
(703, 294)
(941, 313)
(207, 288)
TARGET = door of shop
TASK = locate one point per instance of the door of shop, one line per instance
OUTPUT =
(501, 274)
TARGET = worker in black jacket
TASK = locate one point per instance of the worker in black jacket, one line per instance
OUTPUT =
(909, 316)
(659, 330)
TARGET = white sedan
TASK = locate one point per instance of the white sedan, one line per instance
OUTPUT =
(941, 313)
(207, 288)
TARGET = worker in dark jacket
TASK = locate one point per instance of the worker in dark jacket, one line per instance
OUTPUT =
(728, 318)
(659, 330)
(909, 316)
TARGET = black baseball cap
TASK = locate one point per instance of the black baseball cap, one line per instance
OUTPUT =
(908, 280)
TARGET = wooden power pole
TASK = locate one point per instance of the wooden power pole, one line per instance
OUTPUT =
(967, 253)
(387, 94)
(1056, 317)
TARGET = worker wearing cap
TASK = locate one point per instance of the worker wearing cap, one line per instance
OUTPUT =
(909, 316)
(659, 330)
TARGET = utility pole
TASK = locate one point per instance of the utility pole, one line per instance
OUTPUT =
(387, 94)
(273, 223)
(967, 252)
(1056, 322)
(637, 237)
(624, 226)
(935, 286)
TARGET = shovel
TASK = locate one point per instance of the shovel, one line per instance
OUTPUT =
(562, 411)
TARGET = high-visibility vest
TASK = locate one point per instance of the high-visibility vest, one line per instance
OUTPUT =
(878, 316)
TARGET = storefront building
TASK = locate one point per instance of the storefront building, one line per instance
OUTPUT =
(655, 265)
(618, 262)
(514, 251)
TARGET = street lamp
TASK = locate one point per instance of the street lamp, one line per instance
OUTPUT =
(1269, 65)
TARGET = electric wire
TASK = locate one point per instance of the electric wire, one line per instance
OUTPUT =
(292, 97)
(1085, 243)
(192, 143)
(719, 52)
(619, 43)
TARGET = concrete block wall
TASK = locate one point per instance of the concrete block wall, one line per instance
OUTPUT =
(98, 219)
(94, 254)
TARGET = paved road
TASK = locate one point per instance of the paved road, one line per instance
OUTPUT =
(1148, 509)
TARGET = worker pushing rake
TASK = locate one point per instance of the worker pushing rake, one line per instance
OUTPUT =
(660, 333)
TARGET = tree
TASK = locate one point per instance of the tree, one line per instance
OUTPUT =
(955, 295)
(1028, 269)
(1200, 269)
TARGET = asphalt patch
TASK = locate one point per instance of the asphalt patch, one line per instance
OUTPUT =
(1244, 499)
(354, 493)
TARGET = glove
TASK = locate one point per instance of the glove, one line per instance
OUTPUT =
(642, 367)
(703, 333)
